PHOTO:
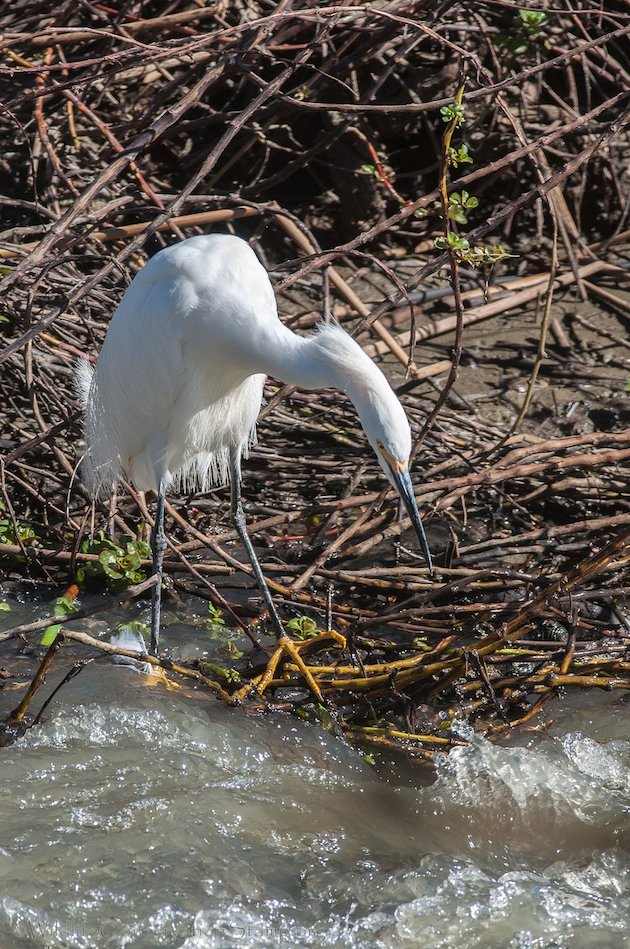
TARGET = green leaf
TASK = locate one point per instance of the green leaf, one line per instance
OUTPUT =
(215, 616)
(302, 627)
(533, 19)
(64, 605)
(50, 635)
(459, 156)
(233, 650)
(5, 607)
(118, 564)
(457, 214)
(453, 113)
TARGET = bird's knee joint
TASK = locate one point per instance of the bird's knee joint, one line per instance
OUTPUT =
(238, 516)
(159, 541)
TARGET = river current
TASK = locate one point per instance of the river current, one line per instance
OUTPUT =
(142, 816)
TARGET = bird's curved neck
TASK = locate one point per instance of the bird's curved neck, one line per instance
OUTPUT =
(315, 362)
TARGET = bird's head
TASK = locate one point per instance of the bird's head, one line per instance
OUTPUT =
(385, 424)
(343, 364)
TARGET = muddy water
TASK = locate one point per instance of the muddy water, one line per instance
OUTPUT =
(140, 816)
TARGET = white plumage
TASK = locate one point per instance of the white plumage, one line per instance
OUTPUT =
(178, 385)
(164, 401)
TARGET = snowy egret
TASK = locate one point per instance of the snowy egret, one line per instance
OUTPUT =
(178, 386)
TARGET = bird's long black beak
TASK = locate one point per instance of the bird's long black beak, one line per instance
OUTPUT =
(402, 480)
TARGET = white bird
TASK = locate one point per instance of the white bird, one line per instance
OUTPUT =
(178, 385)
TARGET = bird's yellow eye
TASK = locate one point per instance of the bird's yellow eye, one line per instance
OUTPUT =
(393, 463)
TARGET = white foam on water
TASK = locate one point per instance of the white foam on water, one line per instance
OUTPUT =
(151, 820)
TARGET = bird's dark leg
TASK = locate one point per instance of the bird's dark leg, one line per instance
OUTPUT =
(238, 516)
(284, 645)
(158, 543)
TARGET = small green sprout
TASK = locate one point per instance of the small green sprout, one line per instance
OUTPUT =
(460, 245)
(215, 616)
(420, 642)
(15, 532)
(459, 156)
(214, 623)
(302, 627)
(63, 605)
(453, 113)
(477, 255)
(527, 28)
(233, 651)
(458, 203)
(532, 20)
(118, 564)
(368, 757)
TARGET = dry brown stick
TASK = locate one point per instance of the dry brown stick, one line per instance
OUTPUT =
(73, 35)
(478, 233)
(139, 143)
(608, 297)
(488, 477)
(494, 476)
(20, 711)
(337, 543)
(600, 329)
(123, 231)
(346, 291)
(551, 446)
(129, 594)
(477, 314)
(155, 130)
(42, 127)
(544, 326)
(588, 525)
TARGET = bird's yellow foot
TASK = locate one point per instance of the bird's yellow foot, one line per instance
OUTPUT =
(159, 676)
(291, 649)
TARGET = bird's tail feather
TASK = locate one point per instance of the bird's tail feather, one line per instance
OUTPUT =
(99, 472)
(83, 380)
